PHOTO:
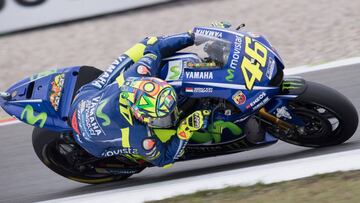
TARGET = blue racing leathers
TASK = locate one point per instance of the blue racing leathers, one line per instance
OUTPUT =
(104, 126)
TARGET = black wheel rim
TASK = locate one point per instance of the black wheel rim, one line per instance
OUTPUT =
(321, 124)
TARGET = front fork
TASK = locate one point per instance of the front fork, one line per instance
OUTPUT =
(291, 88)
(276, 121)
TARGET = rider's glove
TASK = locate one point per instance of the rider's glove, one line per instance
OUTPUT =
(192, 123)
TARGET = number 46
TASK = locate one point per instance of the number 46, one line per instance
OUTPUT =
(258, 56)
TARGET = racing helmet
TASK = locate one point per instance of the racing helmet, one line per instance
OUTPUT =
(152, 101)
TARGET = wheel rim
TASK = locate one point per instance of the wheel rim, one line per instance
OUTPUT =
(321, 124)
(53, 154)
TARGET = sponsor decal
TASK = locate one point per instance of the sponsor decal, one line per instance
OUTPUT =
(230, 75)
(199, 89)
(87, 118)
(200, 75)
(239, 98)
(259, 101)
(182, 135)
(74, 123)
(201, 65)
(143, 70)
(148, 144)
(31, 118)
(209, 33)
(203, 90)
(290, 85)
(189, 89)
(75, 127)
(236, 53)
(56, 90)
(283, 112)
(175, 70)
(119, 152)
(102, 115)
(100, 82)
(270, 69)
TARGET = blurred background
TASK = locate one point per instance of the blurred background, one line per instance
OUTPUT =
(303, 32)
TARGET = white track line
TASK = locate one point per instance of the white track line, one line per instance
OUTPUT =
(330, 65)
(288, 71)
(10, 123)
(269, 173)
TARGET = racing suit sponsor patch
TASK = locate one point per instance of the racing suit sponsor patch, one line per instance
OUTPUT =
(143, 70)
(148, 144)
(87, 120)
(74, 123)
(115, 152)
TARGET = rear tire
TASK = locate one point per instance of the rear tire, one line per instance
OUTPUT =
(45, 144)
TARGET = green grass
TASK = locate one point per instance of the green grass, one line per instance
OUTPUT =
(338, 187)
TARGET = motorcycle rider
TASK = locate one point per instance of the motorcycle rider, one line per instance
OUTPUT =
(118, 113)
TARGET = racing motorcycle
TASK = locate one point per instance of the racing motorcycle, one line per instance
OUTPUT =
(237, 75)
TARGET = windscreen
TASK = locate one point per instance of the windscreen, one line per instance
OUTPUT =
(212, 49)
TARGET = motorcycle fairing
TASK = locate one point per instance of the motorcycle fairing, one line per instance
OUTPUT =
(44, 99)
(231, 79)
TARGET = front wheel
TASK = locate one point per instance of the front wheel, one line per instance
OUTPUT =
(63, 156)
(328, 117)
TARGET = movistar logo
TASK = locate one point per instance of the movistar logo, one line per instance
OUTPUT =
(175, 71)
(31, 118)
(102, 115)
(289, 85)
(230, 76)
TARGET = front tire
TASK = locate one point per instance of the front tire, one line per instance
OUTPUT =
(329, 117)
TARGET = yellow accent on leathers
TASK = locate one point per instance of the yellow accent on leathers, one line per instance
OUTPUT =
(125, 135)
(136, 52)
(152, 40)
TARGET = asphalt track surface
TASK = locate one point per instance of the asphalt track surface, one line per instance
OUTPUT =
(23, 178)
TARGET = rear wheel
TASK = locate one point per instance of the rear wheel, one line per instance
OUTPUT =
(63, 156)
(328, 117)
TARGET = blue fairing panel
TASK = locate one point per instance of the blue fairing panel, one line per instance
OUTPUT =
(43, 100)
